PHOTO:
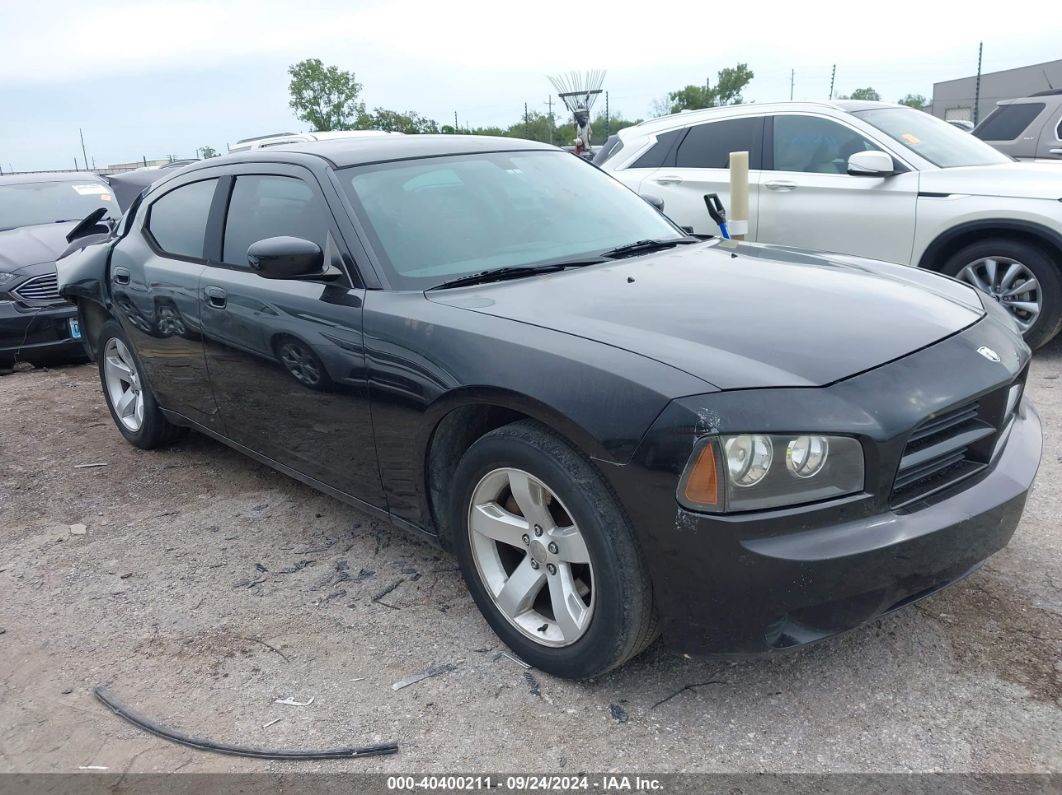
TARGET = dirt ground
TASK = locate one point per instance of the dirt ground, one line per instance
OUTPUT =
(207, 586)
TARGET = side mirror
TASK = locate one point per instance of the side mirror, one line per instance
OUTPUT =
(285, 258)
(656, 201)
(871, 164)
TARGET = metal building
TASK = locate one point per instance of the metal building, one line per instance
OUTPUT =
(954, 99)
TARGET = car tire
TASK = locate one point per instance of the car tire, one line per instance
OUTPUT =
(971, 264)
(132, 404)
(606, 615)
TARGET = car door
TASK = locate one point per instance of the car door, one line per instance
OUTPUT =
(154, 276)
(699, 163)
(286, 357)
(808, 200)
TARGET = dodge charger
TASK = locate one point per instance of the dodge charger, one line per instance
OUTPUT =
(620, 430)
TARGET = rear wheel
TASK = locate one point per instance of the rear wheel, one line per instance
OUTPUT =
(129, 398)
(548, 554)
(1021, 277)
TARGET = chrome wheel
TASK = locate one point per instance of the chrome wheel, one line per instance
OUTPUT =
(300, 363)
(531, 557)
(1010, 283)
(123, 384)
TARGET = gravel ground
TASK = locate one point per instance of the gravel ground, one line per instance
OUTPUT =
(207, 586)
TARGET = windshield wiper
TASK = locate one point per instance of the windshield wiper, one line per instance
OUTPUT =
(646, 246)
(517, 272)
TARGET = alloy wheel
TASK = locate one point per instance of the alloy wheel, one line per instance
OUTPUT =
(124, 388)
(1010, 283)
(300, 363)
(531, 557)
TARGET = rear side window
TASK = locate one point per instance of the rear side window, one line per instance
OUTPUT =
(662, 151)
(1007, 122)
(265, 206)
(178, 220)
(710, 145)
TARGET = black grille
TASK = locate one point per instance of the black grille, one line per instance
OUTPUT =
(952, 445)
(39, 288)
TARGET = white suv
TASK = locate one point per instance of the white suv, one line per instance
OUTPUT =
(869, 179)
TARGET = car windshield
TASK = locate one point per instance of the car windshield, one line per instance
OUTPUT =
(31, 203)
(937, 141)
(436, 219)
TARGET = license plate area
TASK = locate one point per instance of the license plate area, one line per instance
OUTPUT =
(75, 328)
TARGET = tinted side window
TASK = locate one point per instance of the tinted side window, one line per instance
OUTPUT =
(264, 206)
(661, 152)
(608, 149)
(178, 220)
(815, 145)
(710, 145)
(1007, 122)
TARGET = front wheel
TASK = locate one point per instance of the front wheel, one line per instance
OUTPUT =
(1021, 277)
(548, 554)
(129, 398)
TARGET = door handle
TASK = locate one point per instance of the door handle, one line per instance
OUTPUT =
(780, 185)
(1055, 151)
(668, 179)
(216, 296)
(121, 276)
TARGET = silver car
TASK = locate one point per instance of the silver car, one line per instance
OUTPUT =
(1029, 128)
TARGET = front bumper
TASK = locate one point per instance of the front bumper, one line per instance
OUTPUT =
(37, 332)
(782, 591)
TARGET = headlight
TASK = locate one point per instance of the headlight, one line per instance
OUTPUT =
(6, 277)
(753, 472)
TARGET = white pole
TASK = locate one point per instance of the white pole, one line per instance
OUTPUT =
(738, 219)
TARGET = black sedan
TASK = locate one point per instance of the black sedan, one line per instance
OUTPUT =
(36, 213)
(619, 429)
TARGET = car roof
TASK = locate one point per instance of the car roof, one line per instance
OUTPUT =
(689, 117)
(343, 152)
(49, 176)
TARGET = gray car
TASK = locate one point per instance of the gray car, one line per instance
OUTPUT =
(1029, 128)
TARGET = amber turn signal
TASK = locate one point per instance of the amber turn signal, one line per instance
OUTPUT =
(702, 484)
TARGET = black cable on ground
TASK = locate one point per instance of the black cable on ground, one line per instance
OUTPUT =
(105, 698)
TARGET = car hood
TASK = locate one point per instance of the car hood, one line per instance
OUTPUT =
(740, 315)
(28, 245)
(1009, 180)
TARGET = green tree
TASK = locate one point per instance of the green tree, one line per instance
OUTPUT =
(208, 151)
(409, 122)
(325, 97)
(914, 101)
(616, 122)
(864, 93)
(729, 84)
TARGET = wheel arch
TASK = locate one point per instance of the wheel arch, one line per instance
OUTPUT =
(455, 422)
(951, 240)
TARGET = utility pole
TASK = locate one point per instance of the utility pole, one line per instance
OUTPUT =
(527, 123)
(457, 127)
(84, 156)
(792, 78)
(608, 122)
(977, 86)
(549, 104)
(833, 74)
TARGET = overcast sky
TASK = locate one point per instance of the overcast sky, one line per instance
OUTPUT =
(145, 78)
